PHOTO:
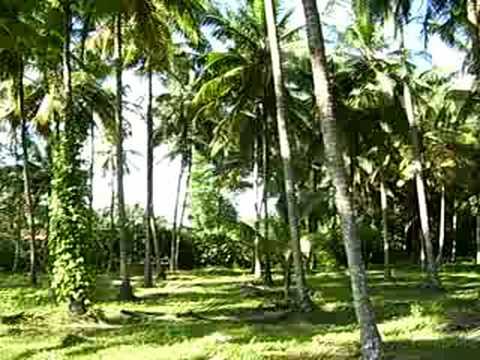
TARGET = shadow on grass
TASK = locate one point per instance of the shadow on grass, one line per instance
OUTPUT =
(294, 327)
(444, 349)
(70, 340)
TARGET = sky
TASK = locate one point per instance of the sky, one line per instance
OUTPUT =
(166, 171)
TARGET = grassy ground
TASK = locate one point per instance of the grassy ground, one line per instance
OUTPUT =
(214, 315)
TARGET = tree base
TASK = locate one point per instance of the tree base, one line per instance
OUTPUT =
(77, 307)
(126, 291)
(433, 285)
(301, 303)
(268, 281)
(162, 274)
(148, 284)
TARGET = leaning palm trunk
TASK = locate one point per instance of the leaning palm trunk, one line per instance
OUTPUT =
(182, 212)
(126, 292)
(441, 230)
(302, 301)
(370, 338)
(27, 176)
(147, 273)
(432, 274)
(173, 245)
(159, 271)
(386, 242)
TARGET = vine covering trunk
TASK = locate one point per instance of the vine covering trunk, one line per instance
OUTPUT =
(71, 278)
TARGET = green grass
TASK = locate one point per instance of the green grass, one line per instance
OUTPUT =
(208, 315)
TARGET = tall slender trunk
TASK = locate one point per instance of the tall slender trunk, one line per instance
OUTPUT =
(48, 150)
(303, 300)
(257, 266)
(386, 242)
(92, 164)
(370, 337)
(186, 195)
(113, 229)
(477, 238)
(267, 273)
(147, 273)
(27, 184)
(126, 292)
(91, 230)
(473, 16)
(432, 274)
(182, 211)
(173, 245)
(156, 245)
(423, 263)
(453, 257)
(17, 225)
(441, 229)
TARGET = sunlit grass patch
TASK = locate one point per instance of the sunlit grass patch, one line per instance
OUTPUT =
(213, 315)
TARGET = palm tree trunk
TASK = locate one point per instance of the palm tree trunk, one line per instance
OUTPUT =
(441, 230)
(113, 231)
(267, 273)
(48, 150)
(185, 197)
(370, 337)
(68, 193)
(18, 239)
(257, 268)
(126, 292)
(92, 164)
(173, 245)
(182, 211)
(477, 238)
(453, 257)
(27, 176)
(303, 300)
(386, 242)
(147, 273)
(159, 273)
(432, 274)
(473, 16)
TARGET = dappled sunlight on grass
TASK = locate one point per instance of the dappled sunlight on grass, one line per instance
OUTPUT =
(213, 315)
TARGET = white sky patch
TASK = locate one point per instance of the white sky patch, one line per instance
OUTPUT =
(445, 57)
(135, 182)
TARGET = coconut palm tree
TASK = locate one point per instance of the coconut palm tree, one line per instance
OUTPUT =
(142, 17)
(370, 337)
(303, 299)
(240, 78)
(13, 67)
